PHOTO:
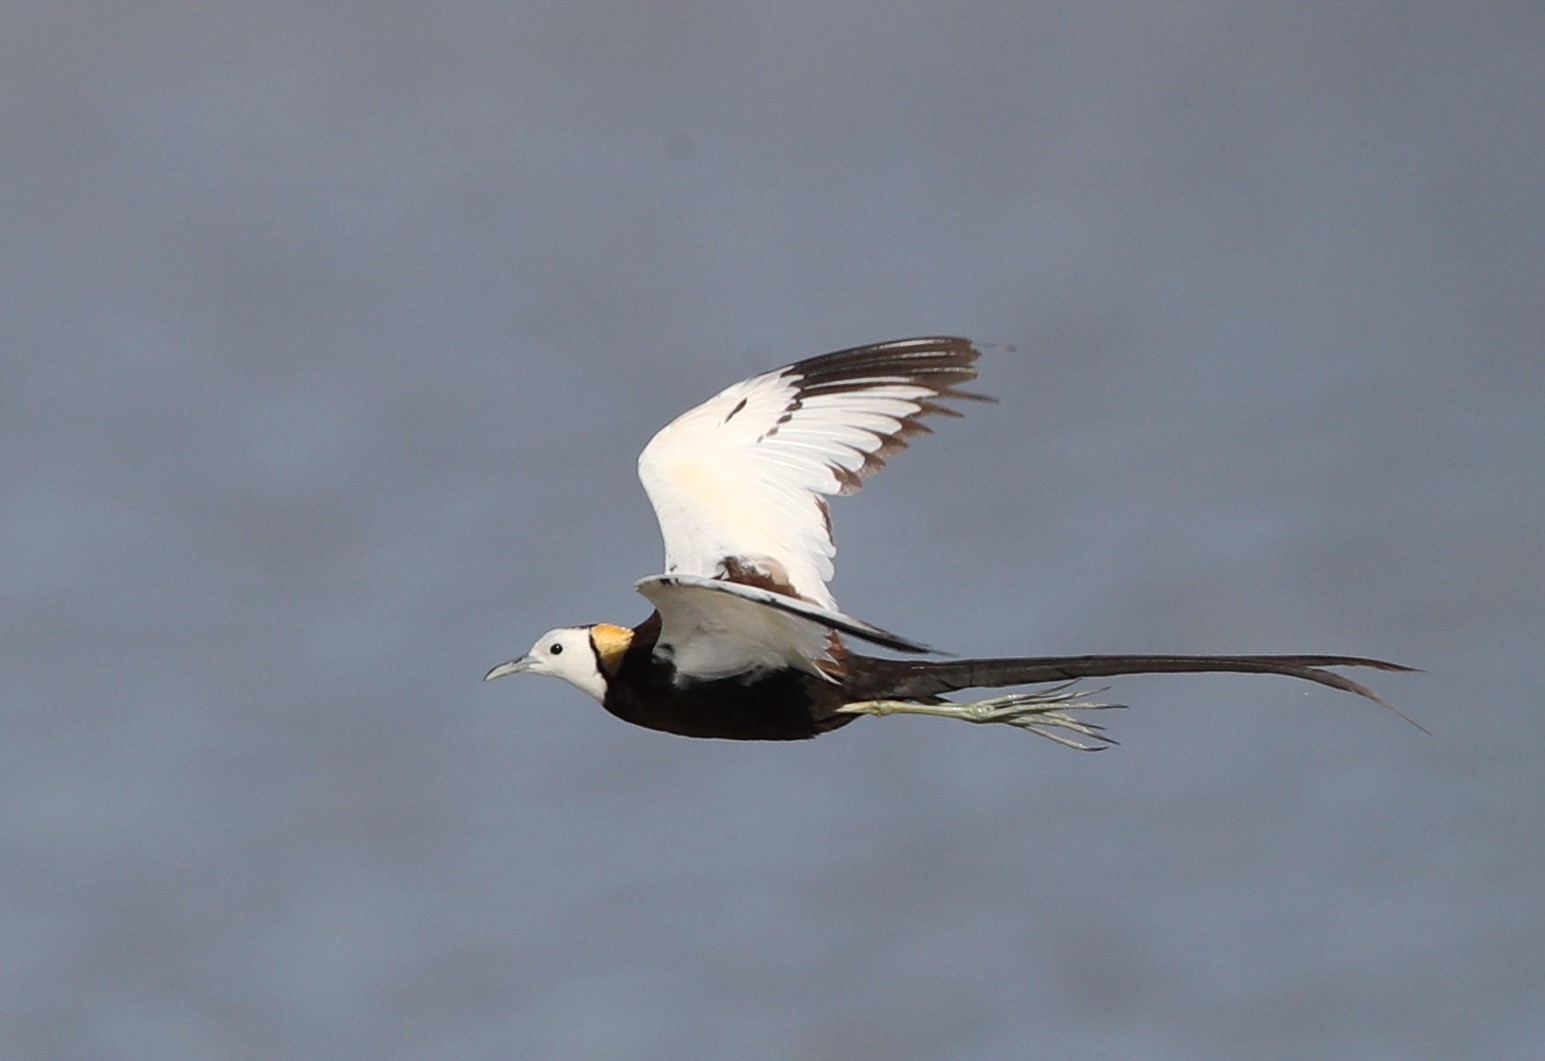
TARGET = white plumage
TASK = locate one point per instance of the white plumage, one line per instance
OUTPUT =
(745, 474)
(739, 486)
(711, 628)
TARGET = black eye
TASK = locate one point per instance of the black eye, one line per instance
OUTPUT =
(555, 649)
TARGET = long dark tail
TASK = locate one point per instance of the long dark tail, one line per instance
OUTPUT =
(919, 679)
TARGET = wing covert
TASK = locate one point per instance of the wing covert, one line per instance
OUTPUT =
(712, 628)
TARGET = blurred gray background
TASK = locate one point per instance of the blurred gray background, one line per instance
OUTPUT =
(331, 334)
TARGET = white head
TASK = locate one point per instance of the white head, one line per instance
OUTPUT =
(583, 656)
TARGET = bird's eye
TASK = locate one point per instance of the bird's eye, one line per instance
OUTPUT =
(555, 649)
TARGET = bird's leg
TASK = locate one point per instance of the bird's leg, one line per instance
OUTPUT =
(1041, 713)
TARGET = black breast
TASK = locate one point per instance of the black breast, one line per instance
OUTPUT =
(771, 705)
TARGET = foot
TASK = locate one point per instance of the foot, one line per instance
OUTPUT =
(1041, 713)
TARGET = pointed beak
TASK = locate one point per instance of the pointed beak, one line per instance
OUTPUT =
(514, 666)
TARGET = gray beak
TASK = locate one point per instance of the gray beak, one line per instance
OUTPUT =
(514, 666)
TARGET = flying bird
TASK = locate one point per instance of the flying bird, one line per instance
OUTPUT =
(746, 642)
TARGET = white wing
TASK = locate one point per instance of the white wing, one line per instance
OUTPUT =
(711, 628)
(739, 483)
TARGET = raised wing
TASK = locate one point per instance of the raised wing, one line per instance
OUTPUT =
(739, 483)
(712, 628)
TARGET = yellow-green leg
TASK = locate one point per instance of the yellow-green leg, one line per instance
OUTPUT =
(1042, 713)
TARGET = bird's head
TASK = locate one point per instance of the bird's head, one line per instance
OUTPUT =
(583, 656)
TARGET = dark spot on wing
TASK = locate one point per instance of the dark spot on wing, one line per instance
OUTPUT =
(763, 573)
(939, 364)
(783, 418)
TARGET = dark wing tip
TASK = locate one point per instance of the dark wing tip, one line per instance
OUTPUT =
(939, 363)
(936, 362)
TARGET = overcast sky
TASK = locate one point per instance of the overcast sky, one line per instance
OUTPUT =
(331, 335)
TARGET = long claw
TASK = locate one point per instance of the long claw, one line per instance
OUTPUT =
(1045, 713)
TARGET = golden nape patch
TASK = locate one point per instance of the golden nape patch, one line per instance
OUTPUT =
(610, 643)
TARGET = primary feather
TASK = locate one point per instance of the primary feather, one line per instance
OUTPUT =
(739, 483)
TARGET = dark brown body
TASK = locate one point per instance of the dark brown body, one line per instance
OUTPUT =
(773, 705)
(782, 705)
(793, 705)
